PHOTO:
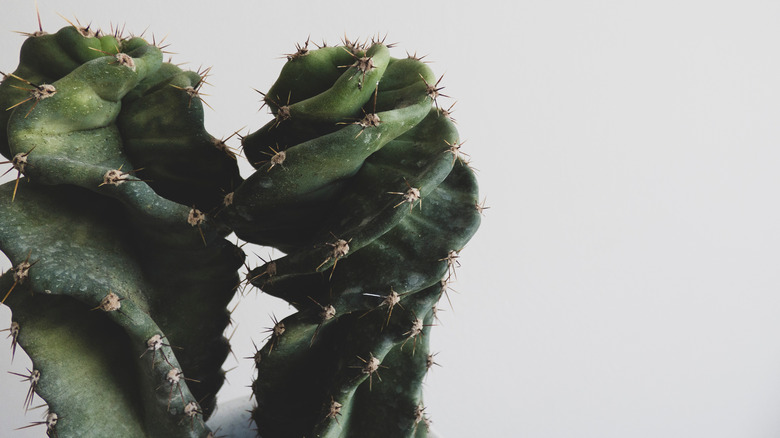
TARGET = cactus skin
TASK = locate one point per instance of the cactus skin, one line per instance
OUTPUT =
(363, 209)
(357, 145)
(87, 236)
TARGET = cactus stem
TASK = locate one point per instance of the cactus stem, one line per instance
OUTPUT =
(13, 333)
(33, 378)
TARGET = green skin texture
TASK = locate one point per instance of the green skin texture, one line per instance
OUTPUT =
(342, 180)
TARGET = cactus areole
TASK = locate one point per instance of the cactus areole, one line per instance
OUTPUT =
(116, 230)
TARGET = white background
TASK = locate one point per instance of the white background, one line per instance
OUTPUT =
(625, 280)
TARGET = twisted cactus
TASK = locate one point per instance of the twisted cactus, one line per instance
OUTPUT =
(121, 271)
(117, 274)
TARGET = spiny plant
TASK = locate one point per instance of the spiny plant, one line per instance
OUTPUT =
(116, 230)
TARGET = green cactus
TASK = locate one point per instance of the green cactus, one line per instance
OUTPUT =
(121, 271)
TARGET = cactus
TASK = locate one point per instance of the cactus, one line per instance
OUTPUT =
(121, 270)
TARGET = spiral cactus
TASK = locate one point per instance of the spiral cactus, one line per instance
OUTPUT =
(109, 276)
(359, 180)
(121, 271)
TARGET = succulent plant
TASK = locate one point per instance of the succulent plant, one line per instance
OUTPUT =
(116, 229)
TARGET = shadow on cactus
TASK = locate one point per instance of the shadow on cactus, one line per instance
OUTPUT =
(116, 229)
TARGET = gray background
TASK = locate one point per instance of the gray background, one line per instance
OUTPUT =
(625, 280)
